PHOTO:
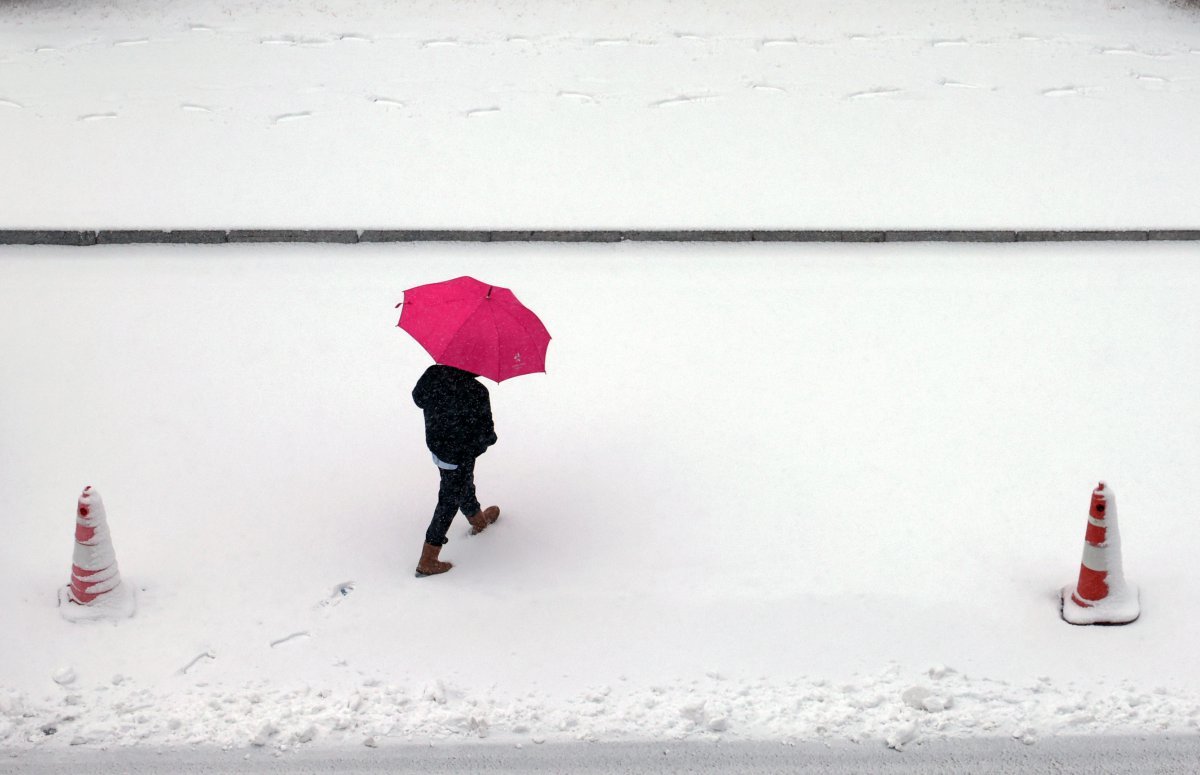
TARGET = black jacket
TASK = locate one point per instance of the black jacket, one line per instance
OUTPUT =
(458, 414)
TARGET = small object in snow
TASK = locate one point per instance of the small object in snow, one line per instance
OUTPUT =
(64, 676)
(371, 742)
(1101, 596)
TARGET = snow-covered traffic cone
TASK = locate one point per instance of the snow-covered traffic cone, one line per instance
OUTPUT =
(1101, 596)
(95, 591)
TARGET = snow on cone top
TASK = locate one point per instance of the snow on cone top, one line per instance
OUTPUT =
(90, 510)
(1102, 502)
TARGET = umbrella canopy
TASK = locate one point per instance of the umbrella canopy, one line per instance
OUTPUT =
(476, 327)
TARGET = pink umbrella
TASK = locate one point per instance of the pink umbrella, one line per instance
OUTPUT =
(476, 327)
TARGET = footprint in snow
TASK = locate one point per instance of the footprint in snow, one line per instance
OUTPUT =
(209, 654)
(576, 96)
(385, 102)
(10, 104)
(612, 42)
(45, 50)
(683, 99)
(440, 43)
(289, 117)
(773, 42)
(1154, 79)
(189, 108)
(339, 593)
(292, 637)
(1131, 51)
(200, 28)
(1065, 91)
(768, 88)
(689, 36)
(949, 43)
(354, 37)
(292, 40)
(873, 93)
(481, 112)
(134, 42)
(97, 116)
(949, 84)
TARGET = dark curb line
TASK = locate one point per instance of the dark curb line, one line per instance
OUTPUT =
(74, 237)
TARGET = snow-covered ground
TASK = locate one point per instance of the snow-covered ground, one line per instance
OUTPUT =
(765, 492)
(623, 114)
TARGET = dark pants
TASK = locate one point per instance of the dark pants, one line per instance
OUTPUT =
(457, 491)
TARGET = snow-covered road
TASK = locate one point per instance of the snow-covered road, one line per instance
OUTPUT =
(629, 114)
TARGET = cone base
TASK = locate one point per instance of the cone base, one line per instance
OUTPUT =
(1116, 609)
(120, 603)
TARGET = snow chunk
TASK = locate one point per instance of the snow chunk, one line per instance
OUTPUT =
(264, 735)
(902, 735)
(64, 676)
(922, 698)
(1026, 734)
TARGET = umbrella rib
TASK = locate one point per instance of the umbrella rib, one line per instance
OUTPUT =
(492, 315)
(525, 328)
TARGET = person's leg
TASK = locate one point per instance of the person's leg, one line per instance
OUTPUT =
(467, 502)
(479, 518)
(450, 494)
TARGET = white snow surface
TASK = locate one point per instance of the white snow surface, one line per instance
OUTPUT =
(765, 492)
(621, 114)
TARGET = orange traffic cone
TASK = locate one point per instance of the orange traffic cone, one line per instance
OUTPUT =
(1101, 596)
(95, 591)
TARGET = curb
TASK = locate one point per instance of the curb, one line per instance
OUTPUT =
(80, 238)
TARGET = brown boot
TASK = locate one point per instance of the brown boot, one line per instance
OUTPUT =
(481, 519)
(429, 565)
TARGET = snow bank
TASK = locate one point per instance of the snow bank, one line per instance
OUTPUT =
(892, 708)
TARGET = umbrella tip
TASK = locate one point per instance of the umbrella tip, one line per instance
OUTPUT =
(489, 295)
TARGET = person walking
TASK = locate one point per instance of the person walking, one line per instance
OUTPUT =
(458, 429)
(471, 329)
